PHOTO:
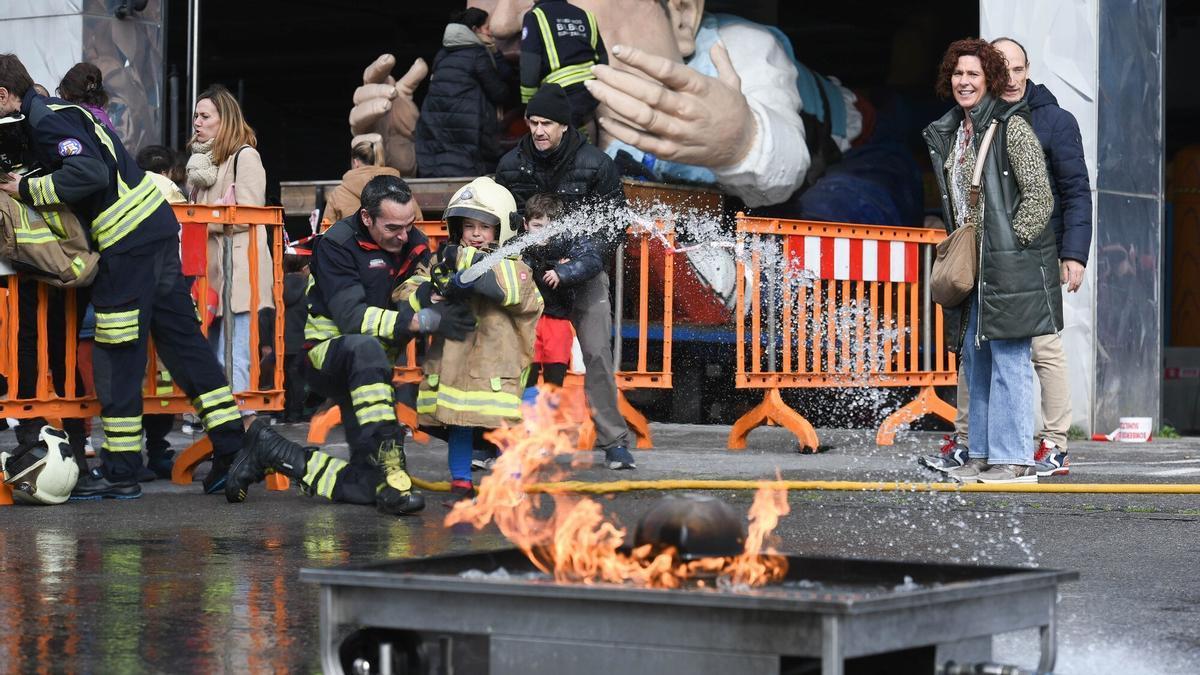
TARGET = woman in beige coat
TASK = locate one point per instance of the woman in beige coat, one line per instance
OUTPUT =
(225, 168)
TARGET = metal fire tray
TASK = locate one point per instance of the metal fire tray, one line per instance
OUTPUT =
(846, 615)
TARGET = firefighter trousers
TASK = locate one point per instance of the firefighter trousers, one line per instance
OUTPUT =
(354, 371)
(137, 294)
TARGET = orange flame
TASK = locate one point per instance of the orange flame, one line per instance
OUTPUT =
(572, 541)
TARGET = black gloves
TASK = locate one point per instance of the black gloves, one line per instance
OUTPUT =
(452, 320)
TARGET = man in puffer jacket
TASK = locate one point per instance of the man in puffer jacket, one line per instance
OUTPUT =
(458, 133)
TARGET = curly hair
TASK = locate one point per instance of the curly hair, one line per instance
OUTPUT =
(995, 68)
(83, 83)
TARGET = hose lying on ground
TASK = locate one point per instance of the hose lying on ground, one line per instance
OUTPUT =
(607, 487)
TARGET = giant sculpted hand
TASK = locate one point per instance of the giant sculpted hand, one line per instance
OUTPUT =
(385, 106)
(668, 109)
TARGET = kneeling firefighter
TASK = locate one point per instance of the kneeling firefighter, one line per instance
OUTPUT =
(352, 337)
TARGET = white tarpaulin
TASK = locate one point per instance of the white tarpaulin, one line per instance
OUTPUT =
(1064, 56)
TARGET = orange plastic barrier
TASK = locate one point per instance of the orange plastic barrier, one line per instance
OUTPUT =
(647, 375)
(837, 305)
(75, 403)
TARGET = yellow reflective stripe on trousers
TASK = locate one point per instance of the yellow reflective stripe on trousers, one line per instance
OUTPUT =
(122, 434)
(372, 403)
(547, 38)
(498, 403)
(217, 407)
(317, 327)
(116, 327)
(126, 213)
(569, 75)
(316, 355)
(327, 469)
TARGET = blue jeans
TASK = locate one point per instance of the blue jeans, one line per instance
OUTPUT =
(1000, 412)
(241, 350)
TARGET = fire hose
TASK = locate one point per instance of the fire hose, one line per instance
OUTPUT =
(608, 487)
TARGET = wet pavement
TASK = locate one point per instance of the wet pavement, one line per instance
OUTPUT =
(181, 582)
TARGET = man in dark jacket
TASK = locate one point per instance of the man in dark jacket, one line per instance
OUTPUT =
(139, 290)
(554, 157)
(458, 133)
(1058, 132)
(352, 322)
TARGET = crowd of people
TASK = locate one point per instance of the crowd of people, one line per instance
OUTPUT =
(492, 328)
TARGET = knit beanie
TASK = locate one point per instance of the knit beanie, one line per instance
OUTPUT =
(550, 102)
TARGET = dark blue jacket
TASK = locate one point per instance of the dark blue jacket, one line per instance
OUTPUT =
(458, 133)
(583, 264)
(1059, 134)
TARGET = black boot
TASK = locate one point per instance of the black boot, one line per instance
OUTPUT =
(396, 496)
(262, 449)
(96, 485)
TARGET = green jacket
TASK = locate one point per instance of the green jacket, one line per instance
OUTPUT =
(1017, 285)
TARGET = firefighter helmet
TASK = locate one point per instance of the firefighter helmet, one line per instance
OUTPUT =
(485, 200)
(41, 473)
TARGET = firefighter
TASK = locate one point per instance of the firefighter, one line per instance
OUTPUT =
(138, 291)
(352, 326)
(560, 44)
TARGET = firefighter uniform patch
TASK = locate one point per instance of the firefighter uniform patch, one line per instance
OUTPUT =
(376, 263)
(69, 146)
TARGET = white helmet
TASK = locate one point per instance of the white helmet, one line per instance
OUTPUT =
(485, 200)
(44, 473)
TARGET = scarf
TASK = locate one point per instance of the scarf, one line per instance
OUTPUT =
(201, 169)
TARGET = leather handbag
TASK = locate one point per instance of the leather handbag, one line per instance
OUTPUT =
(957, 261)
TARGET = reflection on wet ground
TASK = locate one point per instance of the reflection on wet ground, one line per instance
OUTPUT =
(147, 595)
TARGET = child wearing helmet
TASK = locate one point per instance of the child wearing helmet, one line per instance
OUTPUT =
(477, 382)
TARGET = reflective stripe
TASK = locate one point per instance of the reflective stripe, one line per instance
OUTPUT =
(322, 473)
(547, 38)
(54, 222)
(316, 355)
(595, 34)
(116, 327)
(373, 413)
(217, 407)
(41, 190)
(498, 403)
(125, 214)
(318, 327)
(527, 93)
(569, 75)
(414, 302)
(512, 290)
(371, 393)
(29, 237)
(379, 322)
(77, 266)
(122, 434)
(329, 480)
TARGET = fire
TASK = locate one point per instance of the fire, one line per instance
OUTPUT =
(571, 540)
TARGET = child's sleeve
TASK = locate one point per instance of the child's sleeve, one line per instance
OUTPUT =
(583, 263)
(510, 284)
(416, 290)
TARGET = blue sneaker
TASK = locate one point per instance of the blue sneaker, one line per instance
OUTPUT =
(952, 456)
(619, 458)
(1051, 460)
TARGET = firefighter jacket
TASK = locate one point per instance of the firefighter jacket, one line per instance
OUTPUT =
(49, 245)
(560, 44)
(90, 172)
(478, 382)
(351, 284)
